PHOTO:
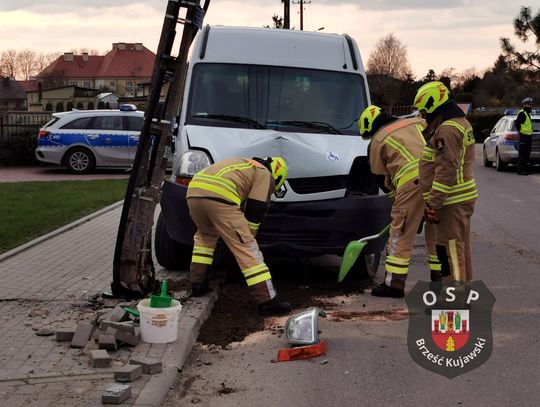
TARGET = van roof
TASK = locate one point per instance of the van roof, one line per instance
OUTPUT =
(279, 47)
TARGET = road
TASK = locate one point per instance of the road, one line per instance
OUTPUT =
(367, 363)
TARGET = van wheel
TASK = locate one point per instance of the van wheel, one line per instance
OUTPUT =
(79, 160)
(169, 253)
(500, 165)
(366, 266)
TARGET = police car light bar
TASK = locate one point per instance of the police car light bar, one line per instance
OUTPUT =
(128, 108)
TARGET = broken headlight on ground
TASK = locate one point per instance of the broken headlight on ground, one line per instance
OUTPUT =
(303, 328)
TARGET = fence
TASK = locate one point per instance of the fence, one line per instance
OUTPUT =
(15, 123)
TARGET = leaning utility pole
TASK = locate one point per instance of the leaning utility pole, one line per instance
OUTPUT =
(133, 268)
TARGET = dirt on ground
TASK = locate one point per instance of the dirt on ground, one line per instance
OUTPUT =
(235, 315)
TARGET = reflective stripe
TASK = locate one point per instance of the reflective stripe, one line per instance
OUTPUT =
(461, 198)
(434, 263)
(216, 189)
(258, 279)
(437, 186)
(212, 178)
(398, 260)
(400, 148)
(201, 259)
(255, 269)
(201, 249)
(526, 126)
(406, 178)
(391, 268)
(253, 226)
(455, 259)
(233, 167)
(428, 154)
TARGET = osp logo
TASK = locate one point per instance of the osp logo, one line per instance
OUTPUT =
(450, 326)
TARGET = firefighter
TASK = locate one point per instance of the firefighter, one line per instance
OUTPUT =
(446, 178)
(229, 199)
(525, 129)
(394, 152)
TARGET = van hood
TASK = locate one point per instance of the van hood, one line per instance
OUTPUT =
(307, 154)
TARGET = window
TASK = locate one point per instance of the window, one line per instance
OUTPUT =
(107, 123)
(80, 106)
(272, 96)
(81, 123)
(112, 84)
(90, 105)
(135, 123)
(73, 83)
(87, 84)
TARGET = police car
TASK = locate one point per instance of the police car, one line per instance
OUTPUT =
(86, 139)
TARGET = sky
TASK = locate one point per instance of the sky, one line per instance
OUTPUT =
(460, 34)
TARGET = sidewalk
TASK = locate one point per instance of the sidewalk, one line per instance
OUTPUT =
(48, 285)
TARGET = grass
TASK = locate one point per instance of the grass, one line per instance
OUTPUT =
(31, 209)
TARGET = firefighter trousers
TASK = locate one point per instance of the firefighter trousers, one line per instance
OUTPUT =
(454, 241)
(407, 214)
(215, 219)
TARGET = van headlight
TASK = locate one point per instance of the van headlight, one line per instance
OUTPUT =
(190, 163)
(303, 328)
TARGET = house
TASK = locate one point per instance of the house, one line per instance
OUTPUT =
(13, 94)
(63, 98)
(119, 71)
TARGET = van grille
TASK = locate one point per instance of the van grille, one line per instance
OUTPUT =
(318, 184)
(299, 237)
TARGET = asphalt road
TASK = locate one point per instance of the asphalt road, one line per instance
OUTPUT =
(368, 364)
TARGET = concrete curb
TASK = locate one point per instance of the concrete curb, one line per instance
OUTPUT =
(157, 388)
(56, 232)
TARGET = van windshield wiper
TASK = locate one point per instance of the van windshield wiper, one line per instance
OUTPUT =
(310, 125)
(238, 119)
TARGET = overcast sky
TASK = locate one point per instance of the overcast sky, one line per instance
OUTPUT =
(438, 34)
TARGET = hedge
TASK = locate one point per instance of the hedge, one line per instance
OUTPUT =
(481, 121)
(18, 149)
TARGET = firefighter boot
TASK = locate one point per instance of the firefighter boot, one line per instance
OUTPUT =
(199, 289)
(276, 306)
(382, 290)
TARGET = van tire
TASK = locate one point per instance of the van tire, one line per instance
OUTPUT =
(169, 253)
(366, 266)
(79, 160)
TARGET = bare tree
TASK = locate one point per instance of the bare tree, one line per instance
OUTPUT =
(389, 58)
(525, 27)
(84, 50)
(44, 60)
(8, 63)
(26, 63)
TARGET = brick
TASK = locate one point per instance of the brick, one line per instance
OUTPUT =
(64, 334)
(150, 366)
(82, 335)
(118, 315)
(100, 358)
(119, 326)
(45, 332)
(116, 394)
(110, 302)
(127, 338)
(128, 373)
(107, 340)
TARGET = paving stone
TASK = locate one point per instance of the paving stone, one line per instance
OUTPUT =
(64, 334)
(82, 335)
(119, 326)
(127, 338)
(110, 302)
(118, 315)
(128, 373)
(150, 366)
(107, 342)
(100, 358)
(45, 332)
(116, 394)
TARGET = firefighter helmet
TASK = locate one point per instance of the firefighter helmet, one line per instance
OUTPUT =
(431, 96)
(278, 168)
(365, 122)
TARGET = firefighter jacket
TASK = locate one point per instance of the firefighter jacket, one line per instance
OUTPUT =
(446, 167)
(395, 150)
(524, 123)
(236, 181)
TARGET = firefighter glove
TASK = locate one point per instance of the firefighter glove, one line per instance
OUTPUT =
(431, 214)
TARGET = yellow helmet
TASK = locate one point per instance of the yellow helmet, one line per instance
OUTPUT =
(430, 96)
(368, 116)
(278, 168)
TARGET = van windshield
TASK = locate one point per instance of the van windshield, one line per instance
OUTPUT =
(278, 98)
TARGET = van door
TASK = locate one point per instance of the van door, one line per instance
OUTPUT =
(110, 141)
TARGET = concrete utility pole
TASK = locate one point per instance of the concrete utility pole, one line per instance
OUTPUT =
(286, 14)
(302, 2)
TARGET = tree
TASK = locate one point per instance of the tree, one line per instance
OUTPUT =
(430, 76)
(277, 20)
(8, 63)
(525, 27)
(389, 58)
(27, 63)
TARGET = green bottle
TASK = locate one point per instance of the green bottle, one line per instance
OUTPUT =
(457, 322)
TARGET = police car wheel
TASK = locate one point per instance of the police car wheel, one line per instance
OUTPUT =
(487, 163)
(79, 161)
(500, 165)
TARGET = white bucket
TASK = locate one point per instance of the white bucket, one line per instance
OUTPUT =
(159, 325)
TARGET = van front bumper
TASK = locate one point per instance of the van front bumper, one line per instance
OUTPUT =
(296, 228)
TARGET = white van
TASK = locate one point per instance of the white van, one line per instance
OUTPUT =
(272, 92)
